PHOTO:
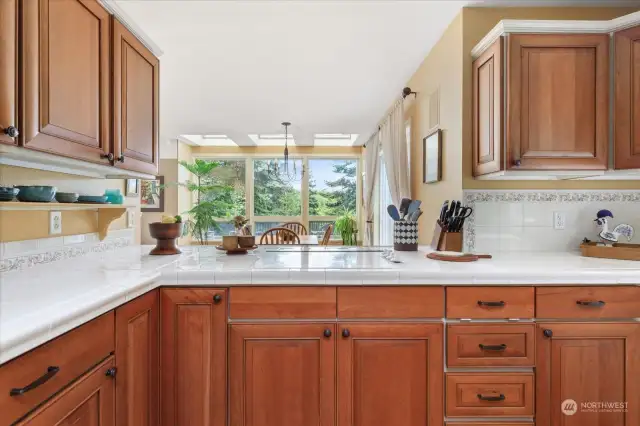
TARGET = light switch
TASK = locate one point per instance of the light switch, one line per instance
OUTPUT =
(55, 223)
(130, 219)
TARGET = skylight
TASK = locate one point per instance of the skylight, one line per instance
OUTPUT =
(210, 140)
(271, 139)
(334, 139)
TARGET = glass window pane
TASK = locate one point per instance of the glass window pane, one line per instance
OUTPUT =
(262, 227)
(229, 195)
(317, 227)
(275, 195)
(332, 187)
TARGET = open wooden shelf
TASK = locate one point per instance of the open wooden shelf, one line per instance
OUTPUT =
(107, 213)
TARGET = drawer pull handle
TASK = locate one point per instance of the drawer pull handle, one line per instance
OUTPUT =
(501, 347)
(346, 333)
(492, 398)
(51, 371)
(217, 299)
(595, 303)
(491, 304)
(327, 332)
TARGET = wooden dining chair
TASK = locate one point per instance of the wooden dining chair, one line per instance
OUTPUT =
(327, 235)
(279, 236)
(296, 227)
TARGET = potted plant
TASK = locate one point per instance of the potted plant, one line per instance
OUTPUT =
(346, 225)
(209, 205)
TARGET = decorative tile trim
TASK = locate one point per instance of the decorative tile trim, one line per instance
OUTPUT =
(68, 252)
(471, 197)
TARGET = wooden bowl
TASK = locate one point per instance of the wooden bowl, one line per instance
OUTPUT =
(166, 235)
(246, 241)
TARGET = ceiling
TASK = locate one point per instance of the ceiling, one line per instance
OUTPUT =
(242, 67)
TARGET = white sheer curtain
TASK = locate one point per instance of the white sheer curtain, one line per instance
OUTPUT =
(385, 223)
(371, 172)
(394, 147)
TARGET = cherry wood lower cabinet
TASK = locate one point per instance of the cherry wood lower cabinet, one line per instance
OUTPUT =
(390, 374)
(282, 374)
(9, 71)
(193, 357)
(138, 357)
(88, 402)
(587, 363)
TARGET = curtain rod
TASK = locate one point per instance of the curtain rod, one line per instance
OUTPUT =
(405, 92)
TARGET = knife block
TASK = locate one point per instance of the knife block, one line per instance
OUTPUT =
(446, 241)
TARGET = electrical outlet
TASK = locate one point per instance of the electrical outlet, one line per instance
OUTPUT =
(130, 219)
(559, 220)
(55, 223)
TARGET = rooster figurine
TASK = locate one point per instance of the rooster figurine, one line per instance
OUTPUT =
(609, 237)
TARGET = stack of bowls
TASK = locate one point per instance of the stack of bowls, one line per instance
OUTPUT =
(36, 193)
(7, 193)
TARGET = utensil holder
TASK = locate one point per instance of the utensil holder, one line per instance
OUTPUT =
(446, 241)
(405, 236)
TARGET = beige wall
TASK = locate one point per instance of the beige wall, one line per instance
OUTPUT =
(476, 23)
(441, 70)
(11, 176)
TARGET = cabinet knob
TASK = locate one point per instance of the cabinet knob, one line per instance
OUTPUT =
(111, 372)
(346, 333)
(547, 333)
(517, 163)
(217, 299)
(108, 156)
(11, 131)
(327, 332)
(120, 159)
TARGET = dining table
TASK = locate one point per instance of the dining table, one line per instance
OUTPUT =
(308, 240)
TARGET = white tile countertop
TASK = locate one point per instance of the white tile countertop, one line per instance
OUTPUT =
(45, 301)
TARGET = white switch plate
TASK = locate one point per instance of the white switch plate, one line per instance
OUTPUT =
(130, 219)
(55, 223)
(559, 220)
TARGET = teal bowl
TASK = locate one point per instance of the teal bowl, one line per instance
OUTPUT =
(36, 194)
(66, 197)
(7, 193)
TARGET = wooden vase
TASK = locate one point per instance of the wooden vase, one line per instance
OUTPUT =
(166, 235)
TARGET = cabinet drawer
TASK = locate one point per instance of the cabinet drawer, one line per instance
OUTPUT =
(588, 302)
(482, 345)
(282, 302)
(390, 302)
(490, 302)
(491, 424)
(73, 353)
(489, 395)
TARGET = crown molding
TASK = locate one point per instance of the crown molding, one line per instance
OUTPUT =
(513, 26)
(113, 8)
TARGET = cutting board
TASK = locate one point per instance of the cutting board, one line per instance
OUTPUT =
(449, 256)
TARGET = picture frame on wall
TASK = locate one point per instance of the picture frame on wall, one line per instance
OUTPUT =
(131, 188)
(432, 157)
(152, 195)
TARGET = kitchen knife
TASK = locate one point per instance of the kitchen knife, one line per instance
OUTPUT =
(443, 212)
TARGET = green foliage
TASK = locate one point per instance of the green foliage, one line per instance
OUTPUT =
(347, 226)
(275, 197)
(178, 218)
(342, 193)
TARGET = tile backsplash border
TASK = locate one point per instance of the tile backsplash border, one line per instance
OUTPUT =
(74, 246)
(472, 197)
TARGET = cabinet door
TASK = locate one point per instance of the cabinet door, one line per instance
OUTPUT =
(558, 87)
(282, 374)
(390, 374)
(87, 402)
(193, 357)
(627, 102)
(135, 102)
(8, 70)
(65, 78)
(488, 110)
(585, 363)
(137, 357)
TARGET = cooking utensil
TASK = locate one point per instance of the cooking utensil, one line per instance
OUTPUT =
(393, 212)
(404, 206)
(413, 217)
(447, 256)
(413, 207)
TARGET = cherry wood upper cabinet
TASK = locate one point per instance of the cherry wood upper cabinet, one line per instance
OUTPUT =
(193, 357)
(627, 99)
(390, 374)
(135, 102)
(488, 87)
(587, 363)
(558, 101)
(282, 374)
(138, 358)
(66, 70)
(87, 402)
(9, 71)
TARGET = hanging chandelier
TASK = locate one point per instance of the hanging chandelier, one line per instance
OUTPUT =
(283, 170)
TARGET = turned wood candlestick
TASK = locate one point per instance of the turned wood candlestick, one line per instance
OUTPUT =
(166, 235)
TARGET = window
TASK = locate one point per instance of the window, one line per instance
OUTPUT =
(274, 197)
(230, 199)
